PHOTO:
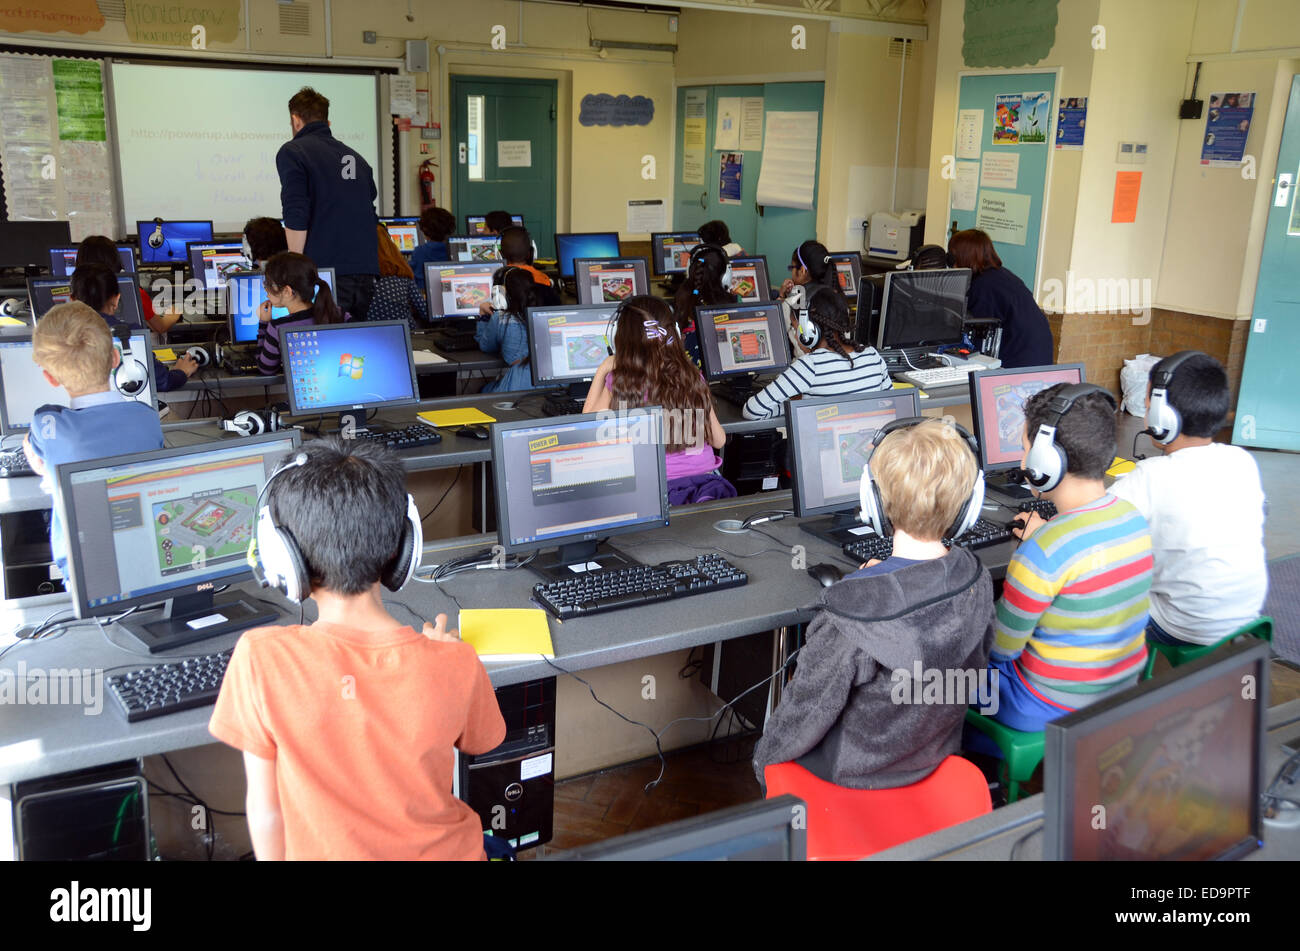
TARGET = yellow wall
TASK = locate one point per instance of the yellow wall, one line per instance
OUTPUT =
(733, 47)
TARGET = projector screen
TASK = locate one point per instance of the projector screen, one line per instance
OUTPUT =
(199, 143)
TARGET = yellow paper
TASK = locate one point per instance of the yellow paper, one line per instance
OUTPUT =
(920, 394)
(460, 416)
(165, 354)
(1120, 466)
(507, 633)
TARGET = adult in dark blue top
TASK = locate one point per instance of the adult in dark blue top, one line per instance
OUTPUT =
(436, 224)
(996, 292)
(327, 193)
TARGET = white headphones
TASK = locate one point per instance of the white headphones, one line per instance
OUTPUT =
(131, 376)
(728, 278)
(199, 355)
(499, 301)
(804, 333)
(249, 422)
(1164, 422)
(1046, 463)
(15, 307)
(277, 561)
(156, 239)
(873, 510)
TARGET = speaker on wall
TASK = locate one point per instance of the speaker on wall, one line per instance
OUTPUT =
(417, 56)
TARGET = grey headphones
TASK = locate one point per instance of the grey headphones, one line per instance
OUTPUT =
(1164, 422)
(1046, 464)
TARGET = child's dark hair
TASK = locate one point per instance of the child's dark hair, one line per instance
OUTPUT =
(715, 232)
(703, 284)
(94, 284)
(522, 291)
(298, 273)
(830, 311)
(516, 245)
(346, 508)
(97, 249)
(821, 269)
(1086, 432)
(265, 238)
(498, 221)
(437, 223)
(1199, 391)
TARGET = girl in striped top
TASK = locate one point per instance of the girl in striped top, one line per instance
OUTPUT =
(827, 366)
(291, 282)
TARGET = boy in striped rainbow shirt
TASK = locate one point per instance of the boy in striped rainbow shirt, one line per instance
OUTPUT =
(1071, 623)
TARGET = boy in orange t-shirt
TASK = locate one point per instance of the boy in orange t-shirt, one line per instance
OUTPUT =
(348, 724)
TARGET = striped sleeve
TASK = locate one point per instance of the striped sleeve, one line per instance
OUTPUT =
(268, 349)
(1027, 593)
(795, 380)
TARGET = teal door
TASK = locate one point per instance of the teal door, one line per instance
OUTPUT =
(781, 230)
(503, 152)
(1266, 416)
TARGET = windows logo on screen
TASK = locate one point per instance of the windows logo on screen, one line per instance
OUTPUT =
(350, 366)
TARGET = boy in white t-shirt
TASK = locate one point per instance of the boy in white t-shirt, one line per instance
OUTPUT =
(1205, 505)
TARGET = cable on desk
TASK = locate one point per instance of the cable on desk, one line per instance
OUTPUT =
(454, 480)
(1021, 841)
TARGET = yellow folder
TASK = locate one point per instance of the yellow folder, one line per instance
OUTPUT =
(507, 633)
(1120, 466)
(459, 416)
(166, 354)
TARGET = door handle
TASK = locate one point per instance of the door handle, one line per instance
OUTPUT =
(758, 208)
(462, 153)
(704, 200)
(1284, 182)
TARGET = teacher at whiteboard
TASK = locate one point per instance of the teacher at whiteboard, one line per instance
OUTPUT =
(327, 194)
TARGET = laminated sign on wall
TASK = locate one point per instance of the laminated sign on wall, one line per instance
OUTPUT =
(788, 178)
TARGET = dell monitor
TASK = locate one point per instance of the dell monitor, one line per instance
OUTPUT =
(923, 308)
(749, 280)
(848, 269)
(830, 440)
(471, 249)
(594, 244)
(1174, 765)
(477, 224)
(45, 292)
(24, 389)
(457, 290)
(347, 368)
(740, 341)
(405, 233)
(610, 280)
(63, 260)
(584, 478)
(670, 252)
(23, 243)
(212, 262)
(165, 242)
(567, 344)
(245, 291)
(169, 527)
(997, 403)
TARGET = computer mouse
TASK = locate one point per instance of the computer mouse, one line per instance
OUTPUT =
(473, 432)
(825, 573)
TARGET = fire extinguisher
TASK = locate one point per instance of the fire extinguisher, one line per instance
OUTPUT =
(427, 183)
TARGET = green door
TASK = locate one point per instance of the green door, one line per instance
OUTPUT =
(1266, 416)
(504, 152)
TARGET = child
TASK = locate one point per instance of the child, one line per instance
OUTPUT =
(436, 224)
(74, 349)
(811, 266)
(702, 288)
(496, 222)
(650, 367)
(1072, 618)
(1205, 505)
(291, 282)
(395, 295)
(717, 233)
(96, 285)
(263, 239)
(507, 332)
(517, 251)
(98, 249)
(830, 364)
(348, 725)
(844, 716)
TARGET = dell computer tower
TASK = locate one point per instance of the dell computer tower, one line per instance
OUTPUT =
(98, 814)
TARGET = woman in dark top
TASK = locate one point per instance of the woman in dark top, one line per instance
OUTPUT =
(996, 292)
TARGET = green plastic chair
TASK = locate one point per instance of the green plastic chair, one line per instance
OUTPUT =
(1176, 654)
(1021, 752)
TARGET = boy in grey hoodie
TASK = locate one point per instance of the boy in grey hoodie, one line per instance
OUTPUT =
(898, 649)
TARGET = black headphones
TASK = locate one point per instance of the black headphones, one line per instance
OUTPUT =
(1164, 422)
(1046, 463)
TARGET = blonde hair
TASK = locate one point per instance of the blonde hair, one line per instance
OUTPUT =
(924, 474)
(74, 345)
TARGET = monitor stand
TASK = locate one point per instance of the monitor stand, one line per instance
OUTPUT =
(195, 617)
(571, 561)
(839, 528)
(1003, 484)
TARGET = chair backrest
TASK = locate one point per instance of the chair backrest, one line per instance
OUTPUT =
(851, 823)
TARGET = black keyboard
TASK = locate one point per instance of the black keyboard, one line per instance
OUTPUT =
(13, 463)
(170, 688)
(561, 406)
(1042, 507)
(452, 341)
(863, 549)
(406, 437)
(983, 534)
(736, 397)
(615, 588)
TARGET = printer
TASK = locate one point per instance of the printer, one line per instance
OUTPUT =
(895, 235)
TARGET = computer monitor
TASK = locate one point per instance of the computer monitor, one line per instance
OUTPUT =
(457, 290)
(997, 402)
(245, 292)
(24, 389)
(342, 368)
(848, 268)
(610, 280)
(168, 527)
(670, 251)
(830, 439)
(63, 259)
(164, 242)
(1174, 765)
(923, 308)
(211, 262)
(740, 341)
(405, 233)
(763, 831)
(477, 224)
(749, 279)
(472, 249)
(592, 244)
(567, 344)
(587, 477)
(45, 292)
(23, 243)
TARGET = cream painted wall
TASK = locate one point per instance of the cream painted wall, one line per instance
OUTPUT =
(717, 46)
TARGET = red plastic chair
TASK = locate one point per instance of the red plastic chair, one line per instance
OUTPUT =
(846, 824)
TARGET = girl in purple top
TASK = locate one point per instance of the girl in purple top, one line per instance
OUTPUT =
(293, 283)
(650, 367)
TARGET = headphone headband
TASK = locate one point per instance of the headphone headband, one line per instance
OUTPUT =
(1162, 374)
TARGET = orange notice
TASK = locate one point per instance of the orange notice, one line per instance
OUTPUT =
(1123, 210)
(52, 16)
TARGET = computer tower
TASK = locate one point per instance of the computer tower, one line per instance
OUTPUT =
(755, 462)
(97, 814)
(729, 668)
(866, 326)
(512, 787)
